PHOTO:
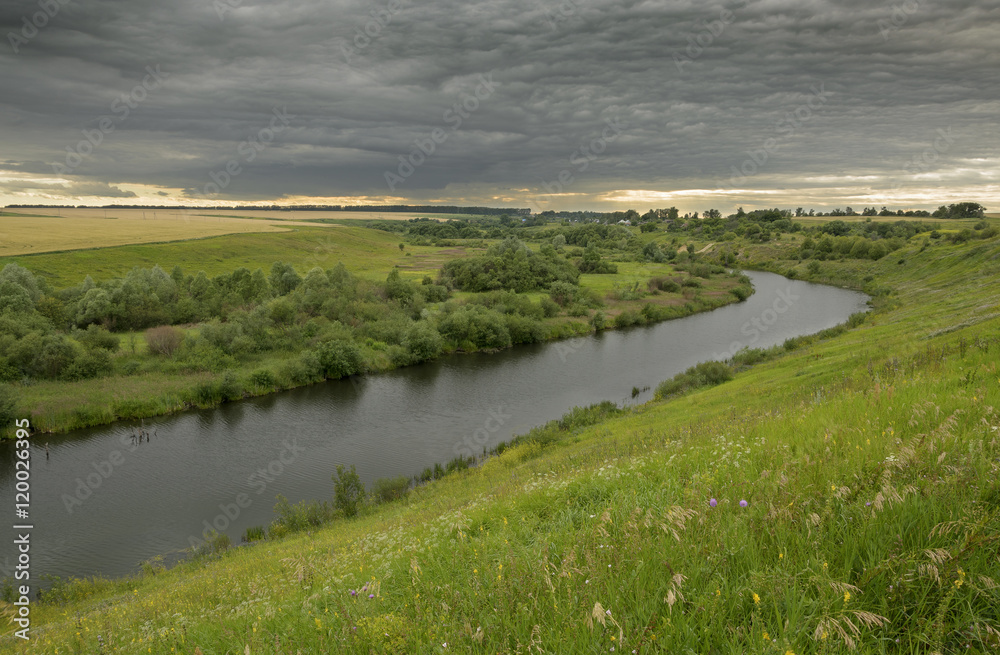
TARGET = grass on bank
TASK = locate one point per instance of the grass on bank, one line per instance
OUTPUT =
(869, 463)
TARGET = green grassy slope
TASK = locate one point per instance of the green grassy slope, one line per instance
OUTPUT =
(366, 252)
(869, 463)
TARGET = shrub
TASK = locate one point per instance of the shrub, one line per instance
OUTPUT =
(663, 283)
(96, 337)
(878, 250)
(523, 329)
(89, 365)
(164, 340)
(742, 292)
(628, 318)
(348, 490)
(423, 341)
(254, 533)
(388, 489)
(338, 358)
(300, 516)
(549, 307)
(705, 374)
(483, 328)
(563, 293)
(262, 378)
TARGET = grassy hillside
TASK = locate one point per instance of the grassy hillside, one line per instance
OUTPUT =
(368, 253)
(868, 463)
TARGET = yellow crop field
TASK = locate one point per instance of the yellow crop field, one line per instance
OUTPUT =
(28, 233)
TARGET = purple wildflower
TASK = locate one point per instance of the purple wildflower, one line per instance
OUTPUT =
(371, 595)
(713, 503)
(743, 503)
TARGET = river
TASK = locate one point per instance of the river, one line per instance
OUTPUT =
(100, 503)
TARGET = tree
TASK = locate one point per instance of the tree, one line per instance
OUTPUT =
(348, 490)
(283, 278)
(423, 341)
(164, 340)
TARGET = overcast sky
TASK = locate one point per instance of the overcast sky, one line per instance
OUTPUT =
(548, 104)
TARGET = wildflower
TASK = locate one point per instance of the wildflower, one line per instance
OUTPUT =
(767, 637)
(781, 556)
(833, 487)
(847, 596)
(371, 595)
(713, 503)
(756, 599)
(824, 565)
(743, 503)
(718, 593)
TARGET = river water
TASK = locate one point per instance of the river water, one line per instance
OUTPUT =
(101, 503)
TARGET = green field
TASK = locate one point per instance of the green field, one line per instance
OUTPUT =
(368, 253)
(869, 461)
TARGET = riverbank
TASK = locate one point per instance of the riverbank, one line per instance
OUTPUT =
(842, 494)
(61, 406)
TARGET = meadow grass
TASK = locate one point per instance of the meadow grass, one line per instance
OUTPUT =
(365, 252)
(869, 463)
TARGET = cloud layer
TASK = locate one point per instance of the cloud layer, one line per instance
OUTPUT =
(545, 103)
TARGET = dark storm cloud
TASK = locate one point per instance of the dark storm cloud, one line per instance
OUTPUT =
(700, 88)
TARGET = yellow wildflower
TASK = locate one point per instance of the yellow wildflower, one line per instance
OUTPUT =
(756, 599)
(847, 596)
